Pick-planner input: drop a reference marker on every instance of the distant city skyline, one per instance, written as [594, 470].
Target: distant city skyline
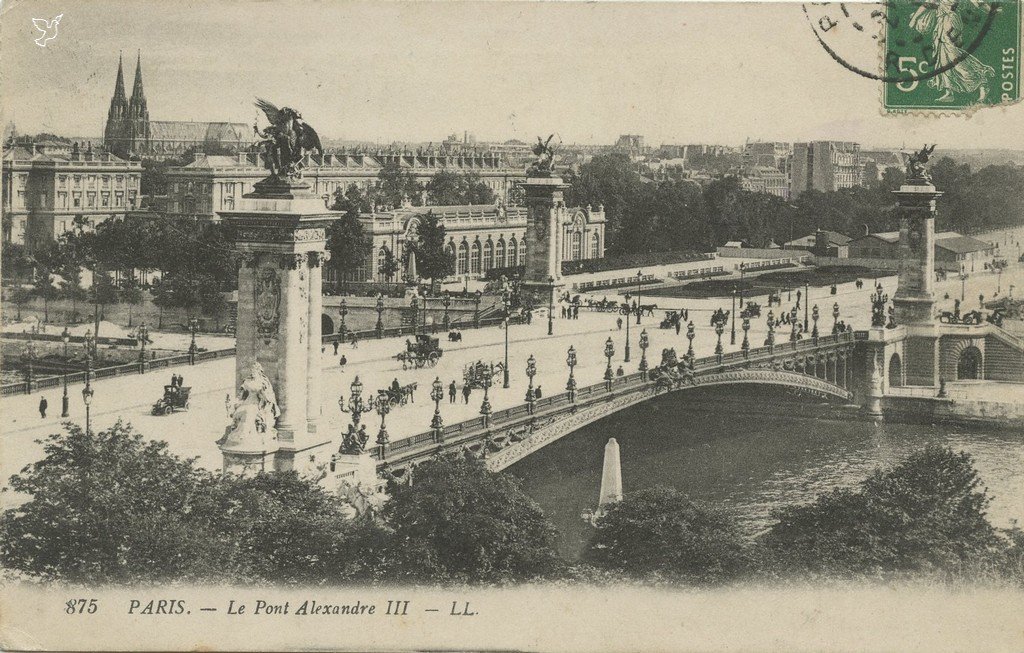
[416, 72]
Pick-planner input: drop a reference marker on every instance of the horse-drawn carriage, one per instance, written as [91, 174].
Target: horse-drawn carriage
[751, 310]
[398, 395]
[426, 350]
[475, 374]
[672, 318]
[175, 397]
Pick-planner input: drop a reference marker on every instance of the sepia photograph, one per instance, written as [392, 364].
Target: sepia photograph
[512, 325]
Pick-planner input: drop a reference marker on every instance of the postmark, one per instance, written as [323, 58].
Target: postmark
[929, 56]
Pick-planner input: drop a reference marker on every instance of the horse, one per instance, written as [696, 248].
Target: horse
[647, 309]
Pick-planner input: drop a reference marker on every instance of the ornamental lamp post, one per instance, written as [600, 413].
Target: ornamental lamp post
[506, 304]
[745, 345]
[380, 313]
[531, 371]
[64, 403]
[476, 312]
[30, 355]
[807, 301]
[770, 340]
[796, 325]
[691, 333]
[342, 312]
[446, 301]
[87, 391]
[193, 326]
[835, 318]
[644, 344]
[609, 351]
[626, 356]
[719, 330]
[143, 334]
[485, 406]
[383, 407]
[551, 305]
[732, 332]
[963, 284]
[743, 268]
[814, 318]
[437, 394]
[639, 279]
[570, 385]
[414, 304]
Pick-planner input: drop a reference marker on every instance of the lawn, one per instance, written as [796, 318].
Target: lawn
[817, 277]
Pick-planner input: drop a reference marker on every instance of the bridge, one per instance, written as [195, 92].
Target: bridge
[822, 367]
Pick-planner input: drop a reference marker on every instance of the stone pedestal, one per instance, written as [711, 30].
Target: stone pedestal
[914, 301]
[280, 229]
[544, 202]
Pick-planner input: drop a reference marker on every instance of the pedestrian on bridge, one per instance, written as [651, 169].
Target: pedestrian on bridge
[618, 322]
[678, 326]
[335, 347]
[466, 391]
[43, 404]
[342, 361]
[453, 391]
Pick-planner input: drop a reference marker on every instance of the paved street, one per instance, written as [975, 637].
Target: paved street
[193, 433]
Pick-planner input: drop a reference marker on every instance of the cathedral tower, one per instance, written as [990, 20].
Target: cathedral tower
[115, 133]
[138, 114]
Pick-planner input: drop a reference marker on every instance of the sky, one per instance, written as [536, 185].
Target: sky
[675, 72]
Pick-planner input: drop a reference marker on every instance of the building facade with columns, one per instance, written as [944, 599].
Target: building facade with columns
[47, 187]
[480, 237]
[216, 183]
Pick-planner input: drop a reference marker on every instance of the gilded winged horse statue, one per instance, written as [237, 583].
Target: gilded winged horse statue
[285, 140]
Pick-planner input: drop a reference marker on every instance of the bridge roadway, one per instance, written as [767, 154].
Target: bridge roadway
[193, 433]
[819, 366]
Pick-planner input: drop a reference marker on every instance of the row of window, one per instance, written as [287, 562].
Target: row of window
[90, 181]
[476, 259]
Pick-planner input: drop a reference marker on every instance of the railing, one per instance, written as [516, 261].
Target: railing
[466, 431]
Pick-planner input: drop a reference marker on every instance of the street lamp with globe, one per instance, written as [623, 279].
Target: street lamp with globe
[770, 340]
[625, 357]
[531, 371]
[691, 333]
[644, 344]
[383, 407]
[437, 394]
[507, 307]
[446, 301]
[814, 318]
[379, 328]
[64, 402]
[639, 280]
[485, 406]
[719, 330]
[570, 385]
[609, 351]
[193, 326]
[745, 345]
[835, 318]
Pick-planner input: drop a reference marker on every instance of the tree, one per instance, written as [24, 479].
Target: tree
[347, 243]
[460, 522]
[131, 294]
[103, 292]
[389, 266]
[451, 188]
[659, 533]
[109, 507]
[433, 259]
[395, 185]
[925, 514]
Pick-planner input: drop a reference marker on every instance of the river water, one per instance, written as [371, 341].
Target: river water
[756, 450]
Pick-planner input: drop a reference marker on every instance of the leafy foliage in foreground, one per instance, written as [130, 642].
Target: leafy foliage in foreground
[659, 533]
[112, 507]
[926, 514]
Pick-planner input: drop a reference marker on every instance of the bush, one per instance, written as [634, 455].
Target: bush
[459, 522]
[927, 514]
[660, 534]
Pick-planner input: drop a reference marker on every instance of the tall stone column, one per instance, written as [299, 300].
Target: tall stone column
[314, 359]
[280, 228]
[914, 300]
[544, 204]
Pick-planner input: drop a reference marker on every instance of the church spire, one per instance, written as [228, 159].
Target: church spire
[116, 127]
[138, 94]
[119, 95]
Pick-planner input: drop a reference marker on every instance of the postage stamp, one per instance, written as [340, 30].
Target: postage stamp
[951, 55]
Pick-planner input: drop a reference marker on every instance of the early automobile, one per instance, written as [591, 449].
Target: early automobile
[175, 397]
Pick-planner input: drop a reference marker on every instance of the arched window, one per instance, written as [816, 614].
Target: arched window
[522, 252]
[895, 371]
[450, 250]
[474, 258]
[461, 263]
[512, 256]
[576, 246]
[488, 255]
[499, 253]
[595, 245]
[382, 257]
[969, 365]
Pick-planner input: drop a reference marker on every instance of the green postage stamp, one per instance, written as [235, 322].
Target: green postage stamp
[951, 55]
